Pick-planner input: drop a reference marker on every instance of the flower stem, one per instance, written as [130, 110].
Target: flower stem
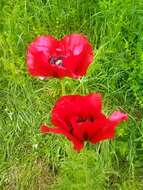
[63, 87]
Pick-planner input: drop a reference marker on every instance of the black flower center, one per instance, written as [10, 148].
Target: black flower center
[84, 119]
[56, 60]
[81, 120]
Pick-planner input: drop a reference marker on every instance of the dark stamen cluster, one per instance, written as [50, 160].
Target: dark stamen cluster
[56, 60]
[83, 119]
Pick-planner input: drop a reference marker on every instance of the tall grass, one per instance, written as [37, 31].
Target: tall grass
[31, 161]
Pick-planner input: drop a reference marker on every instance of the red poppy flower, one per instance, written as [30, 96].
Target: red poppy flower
[70, 56]
[79, 118]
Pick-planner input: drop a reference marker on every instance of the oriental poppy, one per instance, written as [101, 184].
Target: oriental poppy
[68, 57]
[80, 119]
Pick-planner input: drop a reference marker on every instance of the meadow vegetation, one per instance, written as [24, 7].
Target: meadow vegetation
[31, 161]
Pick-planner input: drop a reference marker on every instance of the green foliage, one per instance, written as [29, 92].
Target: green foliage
[29, 160]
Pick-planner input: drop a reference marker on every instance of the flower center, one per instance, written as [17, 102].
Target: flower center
[56, 60]
[84, 119]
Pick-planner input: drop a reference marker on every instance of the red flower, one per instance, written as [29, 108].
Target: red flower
[79, 118]
[48, 57]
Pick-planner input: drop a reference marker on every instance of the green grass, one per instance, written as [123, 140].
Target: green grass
[27, 159]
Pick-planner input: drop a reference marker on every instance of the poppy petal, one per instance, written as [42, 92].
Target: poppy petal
[71, 106]
[93, 104]
[57, 121]
[107, 131]
[116, 117]
[77, 45]
[103, 134]
[38, 54]
[77, 144]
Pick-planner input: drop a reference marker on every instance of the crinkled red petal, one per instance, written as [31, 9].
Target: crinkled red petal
[78, 145]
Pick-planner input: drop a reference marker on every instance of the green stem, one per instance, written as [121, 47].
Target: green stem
[82, 85]
[63, 87]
